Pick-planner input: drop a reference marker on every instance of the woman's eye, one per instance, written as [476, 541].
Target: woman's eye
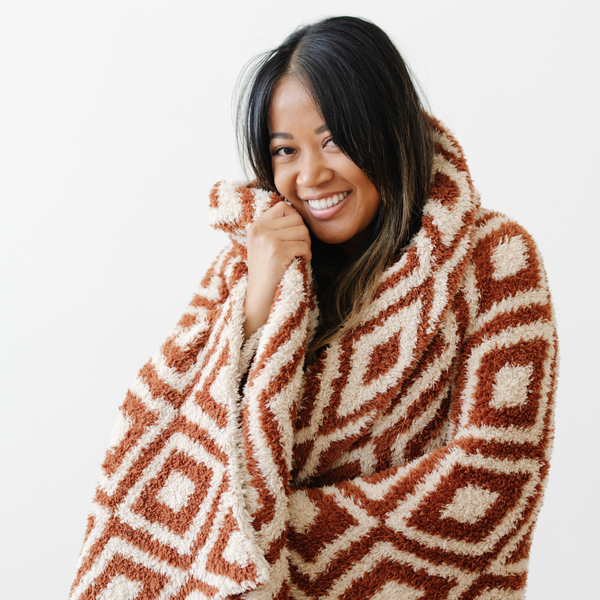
[282, 151]
[330, 142]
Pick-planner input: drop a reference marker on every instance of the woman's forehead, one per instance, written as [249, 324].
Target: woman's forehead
[292, 106]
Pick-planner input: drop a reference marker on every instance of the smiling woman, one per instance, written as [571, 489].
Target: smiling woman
[338, 203]
[358, 402]
[341, 99]
[314, 174]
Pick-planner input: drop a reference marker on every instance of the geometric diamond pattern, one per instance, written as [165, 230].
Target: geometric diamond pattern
[390, 580]
[330, 523]
[407, 462]
[470, 504]
[499, 491]
[509, 257]
[121, 588]
[125, 578]
[144, 507]
[392, 590]
[511, 385]
[177, 491]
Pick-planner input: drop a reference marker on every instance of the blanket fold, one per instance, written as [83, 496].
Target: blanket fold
[408, 462]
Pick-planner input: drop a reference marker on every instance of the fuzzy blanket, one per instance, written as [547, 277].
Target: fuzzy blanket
[407, 463]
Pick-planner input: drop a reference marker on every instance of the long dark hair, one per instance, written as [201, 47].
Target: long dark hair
[368, 99]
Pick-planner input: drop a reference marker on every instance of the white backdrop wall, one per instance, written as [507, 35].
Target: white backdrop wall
[116, 119]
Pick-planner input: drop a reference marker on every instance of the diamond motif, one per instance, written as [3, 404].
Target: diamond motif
[174, 497]
[511, 385]
[121, 588]
[511, 482]
[379, 565]
[176, 492]
[510, 380]
[509, 257]
[393, 591]
[507, 489]
[125, 579]
[470, 504]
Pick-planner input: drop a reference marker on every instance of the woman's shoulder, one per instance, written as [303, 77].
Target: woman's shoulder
[507, 245]
[506, 270]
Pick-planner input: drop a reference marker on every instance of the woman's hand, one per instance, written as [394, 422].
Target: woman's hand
[277, 237]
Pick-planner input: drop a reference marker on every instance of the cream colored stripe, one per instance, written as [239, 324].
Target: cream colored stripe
[355, 394]
[449, 220]
[278, 574]
[398, 519]
[281, 404]
[330, 372]
[427, 380]
[492, 225]
[162, 533]
[229, 208]
[444, 140]
[117, 546]
[386, 551]
[508, 305]
[165, 414]
[364, 455]
[101, 516]
[364, 523]
[440, 285]
[213, 348]
[505, 339]
[404, 286]
[404, 322]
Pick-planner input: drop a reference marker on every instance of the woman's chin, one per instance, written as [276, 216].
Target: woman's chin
[330, 238]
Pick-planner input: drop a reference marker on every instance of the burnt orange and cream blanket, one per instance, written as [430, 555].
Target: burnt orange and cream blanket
[408, 463]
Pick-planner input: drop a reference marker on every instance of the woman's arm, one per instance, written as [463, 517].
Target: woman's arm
[159, 461]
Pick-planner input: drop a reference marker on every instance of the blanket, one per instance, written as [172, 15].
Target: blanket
[409, 461]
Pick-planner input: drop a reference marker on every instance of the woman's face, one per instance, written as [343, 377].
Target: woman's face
[337, 201]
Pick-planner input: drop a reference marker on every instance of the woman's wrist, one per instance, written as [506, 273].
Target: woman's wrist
[259, 299]
[256, 316]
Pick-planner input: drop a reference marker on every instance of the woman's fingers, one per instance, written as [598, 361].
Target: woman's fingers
[277, 248]
[299, 233]
[285, 222]
[270, 228]
[260, 228]
[280, 212]
[298, 249]
[277, 237]
[281, 209]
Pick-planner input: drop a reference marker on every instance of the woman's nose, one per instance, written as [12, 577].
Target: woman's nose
[313, 171]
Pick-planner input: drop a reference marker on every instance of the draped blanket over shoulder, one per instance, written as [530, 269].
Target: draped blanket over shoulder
[408, 462]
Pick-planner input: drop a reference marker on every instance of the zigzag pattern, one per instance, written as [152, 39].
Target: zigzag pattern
[408, 462]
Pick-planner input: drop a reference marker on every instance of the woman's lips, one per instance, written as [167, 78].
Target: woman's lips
[326, 213]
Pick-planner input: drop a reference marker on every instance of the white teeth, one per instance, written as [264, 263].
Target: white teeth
[327, 202]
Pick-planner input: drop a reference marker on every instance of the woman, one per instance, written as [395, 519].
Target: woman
[358, 401]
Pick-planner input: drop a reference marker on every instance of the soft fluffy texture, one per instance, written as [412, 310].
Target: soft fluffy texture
[408, 462]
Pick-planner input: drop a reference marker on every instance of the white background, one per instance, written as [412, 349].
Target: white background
[116, 119]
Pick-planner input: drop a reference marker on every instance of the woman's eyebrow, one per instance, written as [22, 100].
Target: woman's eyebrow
[289, 136]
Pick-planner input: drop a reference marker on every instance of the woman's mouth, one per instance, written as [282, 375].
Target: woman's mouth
[327, 202]
[328, 206]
